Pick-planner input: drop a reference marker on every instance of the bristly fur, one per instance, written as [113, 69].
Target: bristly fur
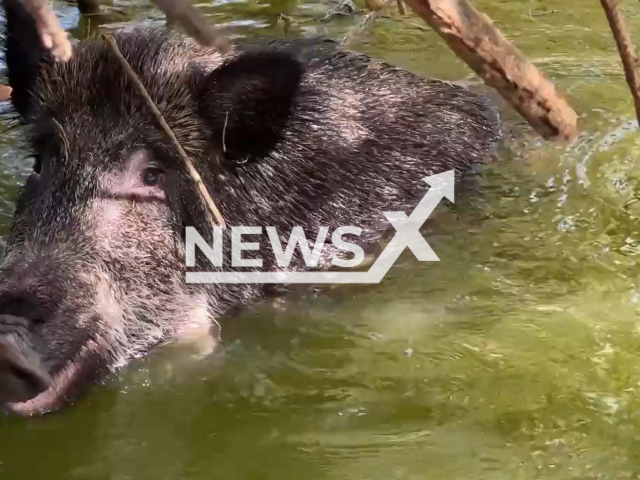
[284, 134]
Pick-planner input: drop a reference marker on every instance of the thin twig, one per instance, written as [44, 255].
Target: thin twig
[193, 173]
[51, 33]
[626, 50]
[194, 23]
[355, 31]
[376, 8]
[224, 132]
[346, 8]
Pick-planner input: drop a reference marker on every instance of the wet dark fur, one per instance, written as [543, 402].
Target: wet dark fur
[285, 134]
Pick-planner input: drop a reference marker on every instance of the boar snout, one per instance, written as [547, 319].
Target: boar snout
[21, 375]
[49, 332]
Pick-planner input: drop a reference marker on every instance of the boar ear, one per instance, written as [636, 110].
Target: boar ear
[247, 102]
[23, 53]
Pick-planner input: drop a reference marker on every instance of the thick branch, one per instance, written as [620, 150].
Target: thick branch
[5, 93]
[53, 36]
[474, 38]
[625, 47]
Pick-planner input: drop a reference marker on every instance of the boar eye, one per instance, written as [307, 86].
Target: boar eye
[153, 177]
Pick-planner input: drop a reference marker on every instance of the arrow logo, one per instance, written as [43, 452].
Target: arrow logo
[407, 235]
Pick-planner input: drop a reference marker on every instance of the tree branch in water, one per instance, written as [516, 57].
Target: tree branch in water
[51, 33]
[473, 37]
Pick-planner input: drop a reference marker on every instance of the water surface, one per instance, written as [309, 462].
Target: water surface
[515, 357]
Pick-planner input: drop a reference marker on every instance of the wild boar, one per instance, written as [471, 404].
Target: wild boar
[283, 133]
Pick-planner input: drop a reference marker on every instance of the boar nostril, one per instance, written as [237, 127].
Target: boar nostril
[31, 381]
[20, 379]
[24, 306]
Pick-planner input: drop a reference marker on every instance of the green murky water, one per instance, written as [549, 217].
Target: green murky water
[515, 357]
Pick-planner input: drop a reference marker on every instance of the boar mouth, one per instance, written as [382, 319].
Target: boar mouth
[62, 388]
